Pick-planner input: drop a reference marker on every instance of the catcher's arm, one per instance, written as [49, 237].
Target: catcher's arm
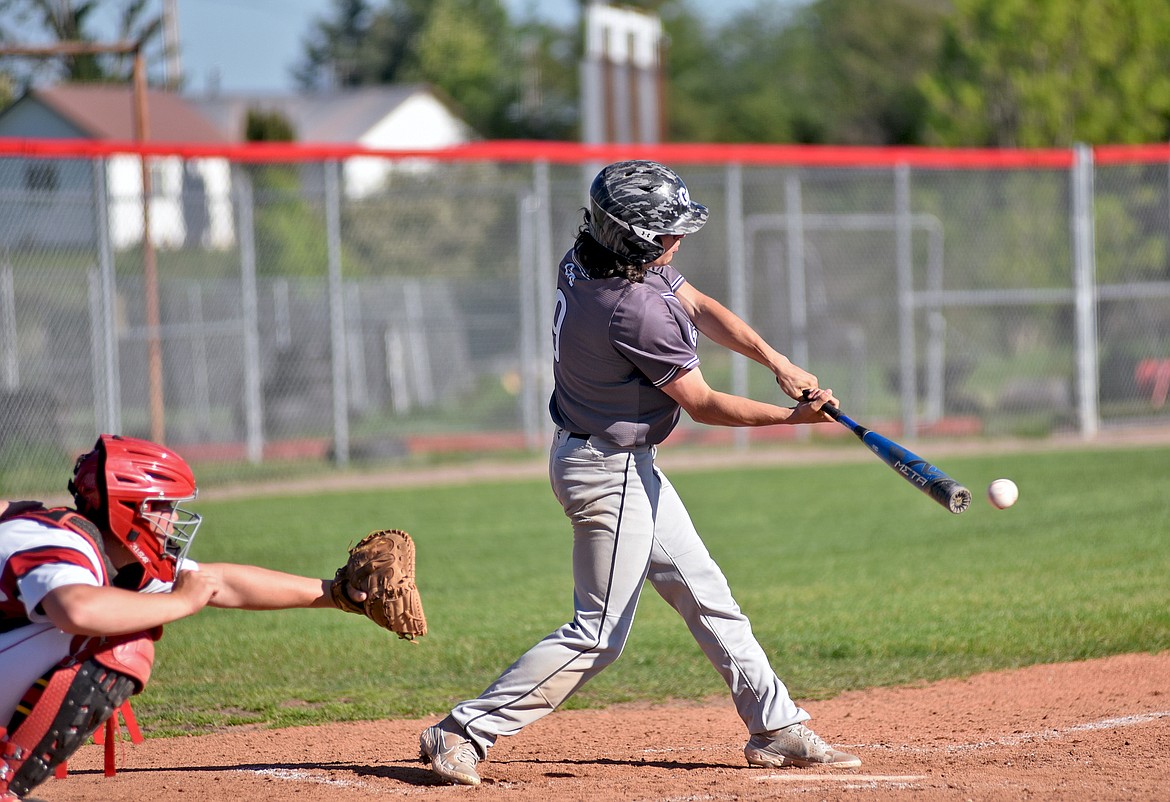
[377, 581]
[251, 587]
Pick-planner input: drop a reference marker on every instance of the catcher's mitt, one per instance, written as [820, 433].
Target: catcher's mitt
[382, 565]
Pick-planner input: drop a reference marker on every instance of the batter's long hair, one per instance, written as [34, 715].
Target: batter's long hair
[600, 261]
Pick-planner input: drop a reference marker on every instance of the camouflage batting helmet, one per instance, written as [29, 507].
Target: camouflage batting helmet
[633, 203]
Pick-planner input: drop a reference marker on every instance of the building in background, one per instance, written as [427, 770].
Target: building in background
[190, 199]
[621, 76]
[390, 117]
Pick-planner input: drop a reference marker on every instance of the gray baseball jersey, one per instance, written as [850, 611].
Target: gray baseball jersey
[615, 344]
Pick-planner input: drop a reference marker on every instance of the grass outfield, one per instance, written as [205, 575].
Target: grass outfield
[852, 579]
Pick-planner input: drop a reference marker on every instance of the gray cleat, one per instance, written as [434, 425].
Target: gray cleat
[451, 756]
[795, 745]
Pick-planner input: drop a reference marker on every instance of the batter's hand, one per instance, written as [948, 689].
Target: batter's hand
[794, 381]
[809, 408]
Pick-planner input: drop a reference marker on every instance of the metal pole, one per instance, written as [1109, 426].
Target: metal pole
[527, 207]
[111, 420]
[200, 376]
[545, 271]
[149, 264]
[937, 327]
[905, 269]
[737, 282]
[797, 294]
[336, 314]
[9, 364]
[1085, 290]
[253, 400]
[797, 284]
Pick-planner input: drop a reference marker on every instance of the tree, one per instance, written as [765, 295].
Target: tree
[831, 71]
[358, 46]
[1046, 73]
[466, 48]
[73, 21]
[462, 49]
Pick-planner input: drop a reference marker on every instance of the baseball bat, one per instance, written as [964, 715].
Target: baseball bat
[930, 479]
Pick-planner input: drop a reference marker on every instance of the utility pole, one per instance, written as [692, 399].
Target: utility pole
[141, 134]
[173, 80]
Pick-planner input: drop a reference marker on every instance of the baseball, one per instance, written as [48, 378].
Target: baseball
[1002, 493]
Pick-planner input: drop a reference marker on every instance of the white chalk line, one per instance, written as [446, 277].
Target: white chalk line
[302, 776]
[860, 779]
[1115, 723]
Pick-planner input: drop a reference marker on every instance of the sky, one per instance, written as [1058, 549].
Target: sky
[251, 45]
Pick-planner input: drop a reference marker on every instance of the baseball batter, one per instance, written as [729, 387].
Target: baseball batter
[84, 593]
[625, 330]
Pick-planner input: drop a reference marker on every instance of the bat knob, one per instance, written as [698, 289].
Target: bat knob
[959, 501]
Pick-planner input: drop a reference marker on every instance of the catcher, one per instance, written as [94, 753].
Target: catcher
[85, 592]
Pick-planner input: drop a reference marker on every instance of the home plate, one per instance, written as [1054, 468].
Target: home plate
[843, 778]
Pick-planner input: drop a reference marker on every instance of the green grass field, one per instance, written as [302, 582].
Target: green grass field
[851, 577]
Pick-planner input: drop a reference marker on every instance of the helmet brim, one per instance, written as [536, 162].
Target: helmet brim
[694, 219]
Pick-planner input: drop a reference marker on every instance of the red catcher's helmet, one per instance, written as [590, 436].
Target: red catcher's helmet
[131, 489]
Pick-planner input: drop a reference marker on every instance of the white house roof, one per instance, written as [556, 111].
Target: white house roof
[343, 116]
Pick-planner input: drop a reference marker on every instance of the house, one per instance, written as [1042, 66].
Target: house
[387, 117]
[190, 199]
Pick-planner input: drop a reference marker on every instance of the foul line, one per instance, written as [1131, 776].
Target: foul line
[302, 775]
[1043, 735]
[844, 778]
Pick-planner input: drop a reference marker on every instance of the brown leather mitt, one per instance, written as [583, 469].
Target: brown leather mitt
[382, 565]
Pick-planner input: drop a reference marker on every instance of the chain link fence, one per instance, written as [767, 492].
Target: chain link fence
[273, 318]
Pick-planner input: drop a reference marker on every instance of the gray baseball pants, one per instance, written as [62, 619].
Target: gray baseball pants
[629, 525]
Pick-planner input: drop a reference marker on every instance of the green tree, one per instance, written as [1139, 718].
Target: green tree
[466, 48]
[356, 45]
[462, 49]
[1047, 73]
[831, 71]
[73, 21]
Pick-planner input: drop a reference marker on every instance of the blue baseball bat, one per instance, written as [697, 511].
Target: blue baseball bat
[930, 479]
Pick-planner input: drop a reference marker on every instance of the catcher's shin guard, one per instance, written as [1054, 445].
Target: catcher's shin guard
[66, 707]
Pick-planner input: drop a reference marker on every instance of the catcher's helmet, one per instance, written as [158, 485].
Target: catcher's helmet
[130, 489]
[632, 203]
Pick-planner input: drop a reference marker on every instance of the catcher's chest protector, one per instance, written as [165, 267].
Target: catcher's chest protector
[62, 518]
[64, 708]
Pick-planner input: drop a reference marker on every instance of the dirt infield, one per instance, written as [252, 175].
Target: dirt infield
[1097, 730]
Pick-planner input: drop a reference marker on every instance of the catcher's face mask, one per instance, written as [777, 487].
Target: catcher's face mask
[175, 526]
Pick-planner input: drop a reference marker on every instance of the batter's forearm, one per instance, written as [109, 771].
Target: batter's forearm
[724, 327]
[725, 409]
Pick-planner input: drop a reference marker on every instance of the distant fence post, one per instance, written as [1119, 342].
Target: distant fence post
[546, 264]
[1085, 290]
[9, 364]
[108, 372]
[336, 314]
[905, 266]
[253, 402]
[737, 281]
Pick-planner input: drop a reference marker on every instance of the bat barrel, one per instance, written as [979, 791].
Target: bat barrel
[915, 470]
